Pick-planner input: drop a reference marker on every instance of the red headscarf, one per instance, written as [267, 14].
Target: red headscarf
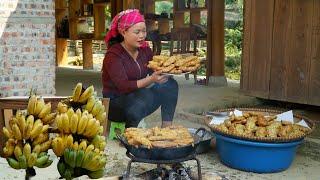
[123, 21]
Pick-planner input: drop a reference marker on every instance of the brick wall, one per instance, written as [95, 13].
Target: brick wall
[27, 47]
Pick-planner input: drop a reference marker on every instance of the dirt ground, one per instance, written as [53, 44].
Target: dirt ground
[193, 101]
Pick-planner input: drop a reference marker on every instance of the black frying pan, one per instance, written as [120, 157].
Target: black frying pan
[161, 153]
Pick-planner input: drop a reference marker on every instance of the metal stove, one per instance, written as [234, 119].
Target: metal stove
[183, 173]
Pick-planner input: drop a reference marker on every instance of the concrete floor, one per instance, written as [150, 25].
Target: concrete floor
[193, 101]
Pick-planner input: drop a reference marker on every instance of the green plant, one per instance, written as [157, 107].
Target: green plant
[163, 6]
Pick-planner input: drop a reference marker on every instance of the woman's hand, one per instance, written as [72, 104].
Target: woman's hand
[158, 78]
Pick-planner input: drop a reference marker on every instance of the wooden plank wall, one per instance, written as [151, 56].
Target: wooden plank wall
[281, 50]
[257, 49]
[314, 84]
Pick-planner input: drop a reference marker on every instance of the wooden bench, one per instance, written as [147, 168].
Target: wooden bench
[9, 105]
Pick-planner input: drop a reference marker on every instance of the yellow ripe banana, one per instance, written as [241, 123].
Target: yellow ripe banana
[27, 150]
[95, 129]
[16, 132]
[17, 152]
[70, 112]
[96, 108]
[89, 149]
[29, 126]
[83, 145]
[102, 162]
[59, 122]
[102, 117]
[79, 113]
[59, 147]
[102, 145]
[45, 129]
[93, 163]
[82, 124]
[100, 131]
[90, 116]
[37, 122]
[86, 94]
[49, 118]
[75, 146]
[62, 108]
[69, 141]
[36, 130]
[37, 149]
[90, 103]
[40, 139]
[45, 111]
[7, 152]
[45, 146]
[90, 126]
[54, 146]
[9, 148]
[32, 104]
[65, 122]
[22, 124]
[31, 160]
[7, 132]
[74, 123]
[77, 92]
[87, 158]
[39, 106]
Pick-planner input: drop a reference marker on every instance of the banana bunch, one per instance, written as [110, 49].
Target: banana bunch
[96, 108]
[90, 158]
[24, 128]
[75, 157]
[78, 123]
[39, 109]
[27, 142]
[82, 97]
[25, 157]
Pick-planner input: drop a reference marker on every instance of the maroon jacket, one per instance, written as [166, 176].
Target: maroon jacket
[120, 71]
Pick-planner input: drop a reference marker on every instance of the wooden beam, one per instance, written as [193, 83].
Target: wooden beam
[61, 51]
[87, 54]
[216, 37]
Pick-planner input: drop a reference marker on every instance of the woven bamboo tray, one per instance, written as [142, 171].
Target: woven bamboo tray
[267, 112]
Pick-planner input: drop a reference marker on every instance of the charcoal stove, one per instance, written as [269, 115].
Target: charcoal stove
[159, 162]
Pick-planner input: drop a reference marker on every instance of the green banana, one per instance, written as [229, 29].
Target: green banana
[72, 158]
[68, 174]
[79, 159]
[42, 154]
[23, 162]
[61, 167]
[13, 163]
[66, 155]
[96, 174]
[41, 161]
[47, 164]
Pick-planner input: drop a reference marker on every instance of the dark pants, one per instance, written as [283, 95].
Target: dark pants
[133, 107]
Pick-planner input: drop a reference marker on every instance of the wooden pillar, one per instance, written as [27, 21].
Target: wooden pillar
[215, 38]
[87, 54]
[131, 4]
[99, 21]
[61, 51]
[116, 7]
[2, 137]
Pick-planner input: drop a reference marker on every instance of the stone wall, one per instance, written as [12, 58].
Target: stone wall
[27, 47]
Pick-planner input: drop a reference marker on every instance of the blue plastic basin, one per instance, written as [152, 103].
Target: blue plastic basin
[255, 156]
